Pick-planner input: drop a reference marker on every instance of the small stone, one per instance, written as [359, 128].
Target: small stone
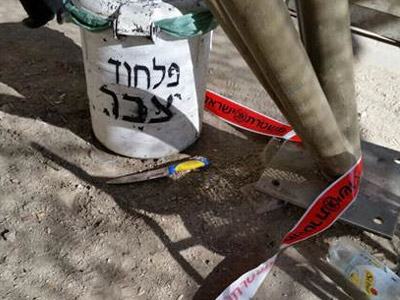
[140, 291]
[53, 165]
[4, 234]
[11, 236]
[40, 215]
[8, 235]
[15, 181]
[61, 97]
[180, 297]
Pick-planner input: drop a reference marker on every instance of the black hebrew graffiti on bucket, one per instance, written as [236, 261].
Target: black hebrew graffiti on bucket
[132, 96]
[146, 98]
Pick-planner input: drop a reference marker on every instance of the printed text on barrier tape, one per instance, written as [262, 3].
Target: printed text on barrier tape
[243, 117]
[322, 213]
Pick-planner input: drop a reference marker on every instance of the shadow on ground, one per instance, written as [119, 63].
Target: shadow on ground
[45, 67]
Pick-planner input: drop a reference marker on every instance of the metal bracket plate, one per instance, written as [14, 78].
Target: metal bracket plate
[292, 175]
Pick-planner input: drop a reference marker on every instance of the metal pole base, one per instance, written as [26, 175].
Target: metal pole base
[292, 175]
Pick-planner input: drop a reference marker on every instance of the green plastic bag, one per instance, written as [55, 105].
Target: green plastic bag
[188, 25]
[85, 19]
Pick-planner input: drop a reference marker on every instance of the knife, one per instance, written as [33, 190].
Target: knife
[169, 171]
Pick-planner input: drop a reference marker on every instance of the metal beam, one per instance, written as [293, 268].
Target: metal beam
[371, 17]
[265, 27]
[325, 31]
[391, 7]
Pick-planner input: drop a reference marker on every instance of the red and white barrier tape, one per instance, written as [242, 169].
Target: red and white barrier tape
[246, 118]
[322, 213]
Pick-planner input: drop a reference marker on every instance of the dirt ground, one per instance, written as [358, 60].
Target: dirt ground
[65, 234]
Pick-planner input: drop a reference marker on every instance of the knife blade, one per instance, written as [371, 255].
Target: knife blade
[174, 169]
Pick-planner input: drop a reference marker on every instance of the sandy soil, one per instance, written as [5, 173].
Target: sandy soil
[65, 234]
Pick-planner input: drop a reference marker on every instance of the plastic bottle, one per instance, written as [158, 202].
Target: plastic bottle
[370, 275]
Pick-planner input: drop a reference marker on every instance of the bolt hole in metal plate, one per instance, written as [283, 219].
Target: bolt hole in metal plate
[292, 175]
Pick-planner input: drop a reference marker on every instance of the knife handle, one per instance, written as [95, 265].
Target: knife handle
[189, 165]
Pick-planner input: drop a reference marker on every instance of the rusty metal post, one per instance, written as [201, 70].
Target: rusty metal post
[267, 31]
[325, 31]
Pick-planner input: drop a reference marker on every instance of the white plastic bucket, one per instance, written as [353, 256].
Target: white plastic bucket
[146, 96]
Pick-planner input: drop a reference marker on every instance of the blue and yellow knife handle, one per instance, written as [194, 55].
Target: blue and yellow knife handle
[189, 165]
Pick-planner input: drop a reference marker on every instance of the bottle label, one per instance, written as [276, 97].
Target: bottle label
[369, 283]
[373, 281]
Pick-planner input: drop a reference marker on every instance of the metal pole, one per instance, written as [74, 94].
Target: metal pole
[227, 25]
[265, 27]
[325, 31]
